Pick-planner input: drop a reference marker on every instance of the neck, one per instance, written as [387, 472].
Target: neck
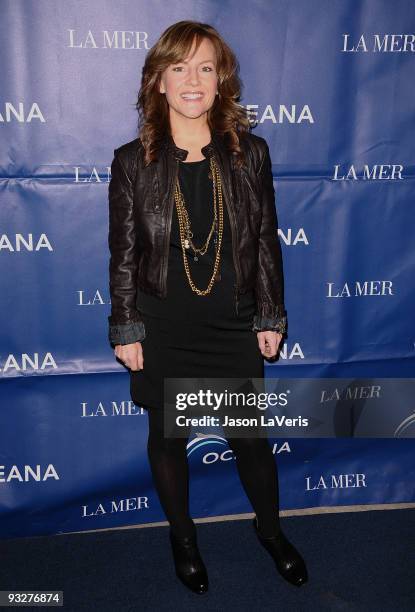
[190, 133]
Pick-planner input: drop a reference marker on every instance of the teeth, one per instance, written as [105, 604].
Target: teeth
[191, 96]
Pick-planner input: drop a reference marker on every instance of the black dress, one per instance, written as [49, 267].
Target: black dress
[188, 335]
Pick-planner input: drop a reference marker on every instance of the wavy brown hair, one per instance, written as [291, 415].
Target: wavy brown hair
[226, 116]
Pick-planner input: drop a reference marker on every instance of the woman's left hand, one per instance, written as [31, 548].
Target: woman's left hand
[268, 342]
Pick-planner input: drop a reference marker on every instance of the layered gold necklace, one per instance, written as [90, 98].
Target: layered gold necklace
[216, 229]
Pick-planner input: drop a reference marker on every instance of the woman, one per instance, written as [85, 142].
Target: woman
[196, 277]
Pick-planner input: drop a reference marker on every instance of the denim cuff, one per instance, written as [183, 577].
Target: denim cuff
[127, 333]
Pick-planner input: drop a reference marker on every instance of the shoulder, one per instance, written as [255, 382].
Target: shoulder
[128, 149]
[255, 146]
[127, 154]
[254, 141]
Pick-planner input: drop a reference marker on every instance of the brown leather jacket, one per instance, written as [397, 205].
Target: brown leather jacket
[141, 202]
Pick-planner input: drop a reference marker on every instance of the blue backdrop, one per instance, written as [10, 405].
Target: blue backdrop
[332, 87]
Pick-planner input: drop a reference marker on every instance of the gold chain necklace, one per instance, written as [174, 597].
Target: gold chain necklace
[186, 234]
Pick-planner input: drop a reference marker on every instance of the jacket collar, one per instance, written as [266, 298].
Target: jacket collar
[215, 145]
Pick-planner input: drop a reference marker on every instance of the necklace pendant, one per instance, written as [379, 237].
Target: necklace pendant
[195, 258]
[186, 244]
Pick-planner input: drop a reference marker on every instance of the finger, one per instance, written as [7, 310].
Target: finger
[270, 349]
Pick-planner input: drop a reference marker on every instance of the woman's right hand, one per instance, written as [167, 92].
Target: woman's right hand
[131, 355]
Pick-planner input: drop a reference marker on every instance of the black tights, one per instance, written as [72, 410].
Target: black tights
[256, 467]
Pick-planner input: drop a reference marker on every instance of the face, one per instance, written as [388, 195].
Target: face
[190, 86]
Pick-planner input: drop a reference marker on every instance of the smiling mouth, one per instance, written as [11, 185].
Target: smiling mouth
[192, 96]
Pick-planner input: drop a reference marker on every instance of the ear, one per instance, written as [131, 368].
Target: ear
[162, 89]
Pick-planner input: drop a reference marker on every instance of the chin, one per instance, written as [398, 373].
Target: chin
[194, 114]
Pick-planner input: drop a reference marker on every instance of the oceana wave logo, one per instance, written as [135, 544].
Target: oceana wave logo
[216, 448]
[406, 429]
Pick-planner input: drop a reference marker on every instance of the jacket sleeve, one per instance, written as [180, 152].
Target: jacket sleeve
[125, 324]
[269, 290]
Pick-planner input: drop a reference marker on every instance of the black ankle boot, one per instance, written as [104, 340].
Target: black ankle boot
[288, 560]
[188, 563]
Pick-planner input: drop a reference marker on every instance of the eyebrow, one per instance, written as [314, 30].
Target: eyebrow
[203, 62]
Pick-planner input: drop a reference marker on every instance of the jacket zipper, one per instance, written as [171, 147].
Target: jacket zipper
[169, 206]
[234, 230]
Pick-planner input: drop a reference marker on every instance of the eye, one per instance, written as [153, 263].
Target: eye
[177, 67]
[209, 68]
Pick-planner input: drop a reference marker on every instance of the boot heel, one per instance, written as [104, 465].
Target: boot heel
[189, 565]
[288, 560]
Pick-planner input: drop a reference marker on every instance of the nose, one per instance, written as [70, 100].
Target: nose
[193, 76]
